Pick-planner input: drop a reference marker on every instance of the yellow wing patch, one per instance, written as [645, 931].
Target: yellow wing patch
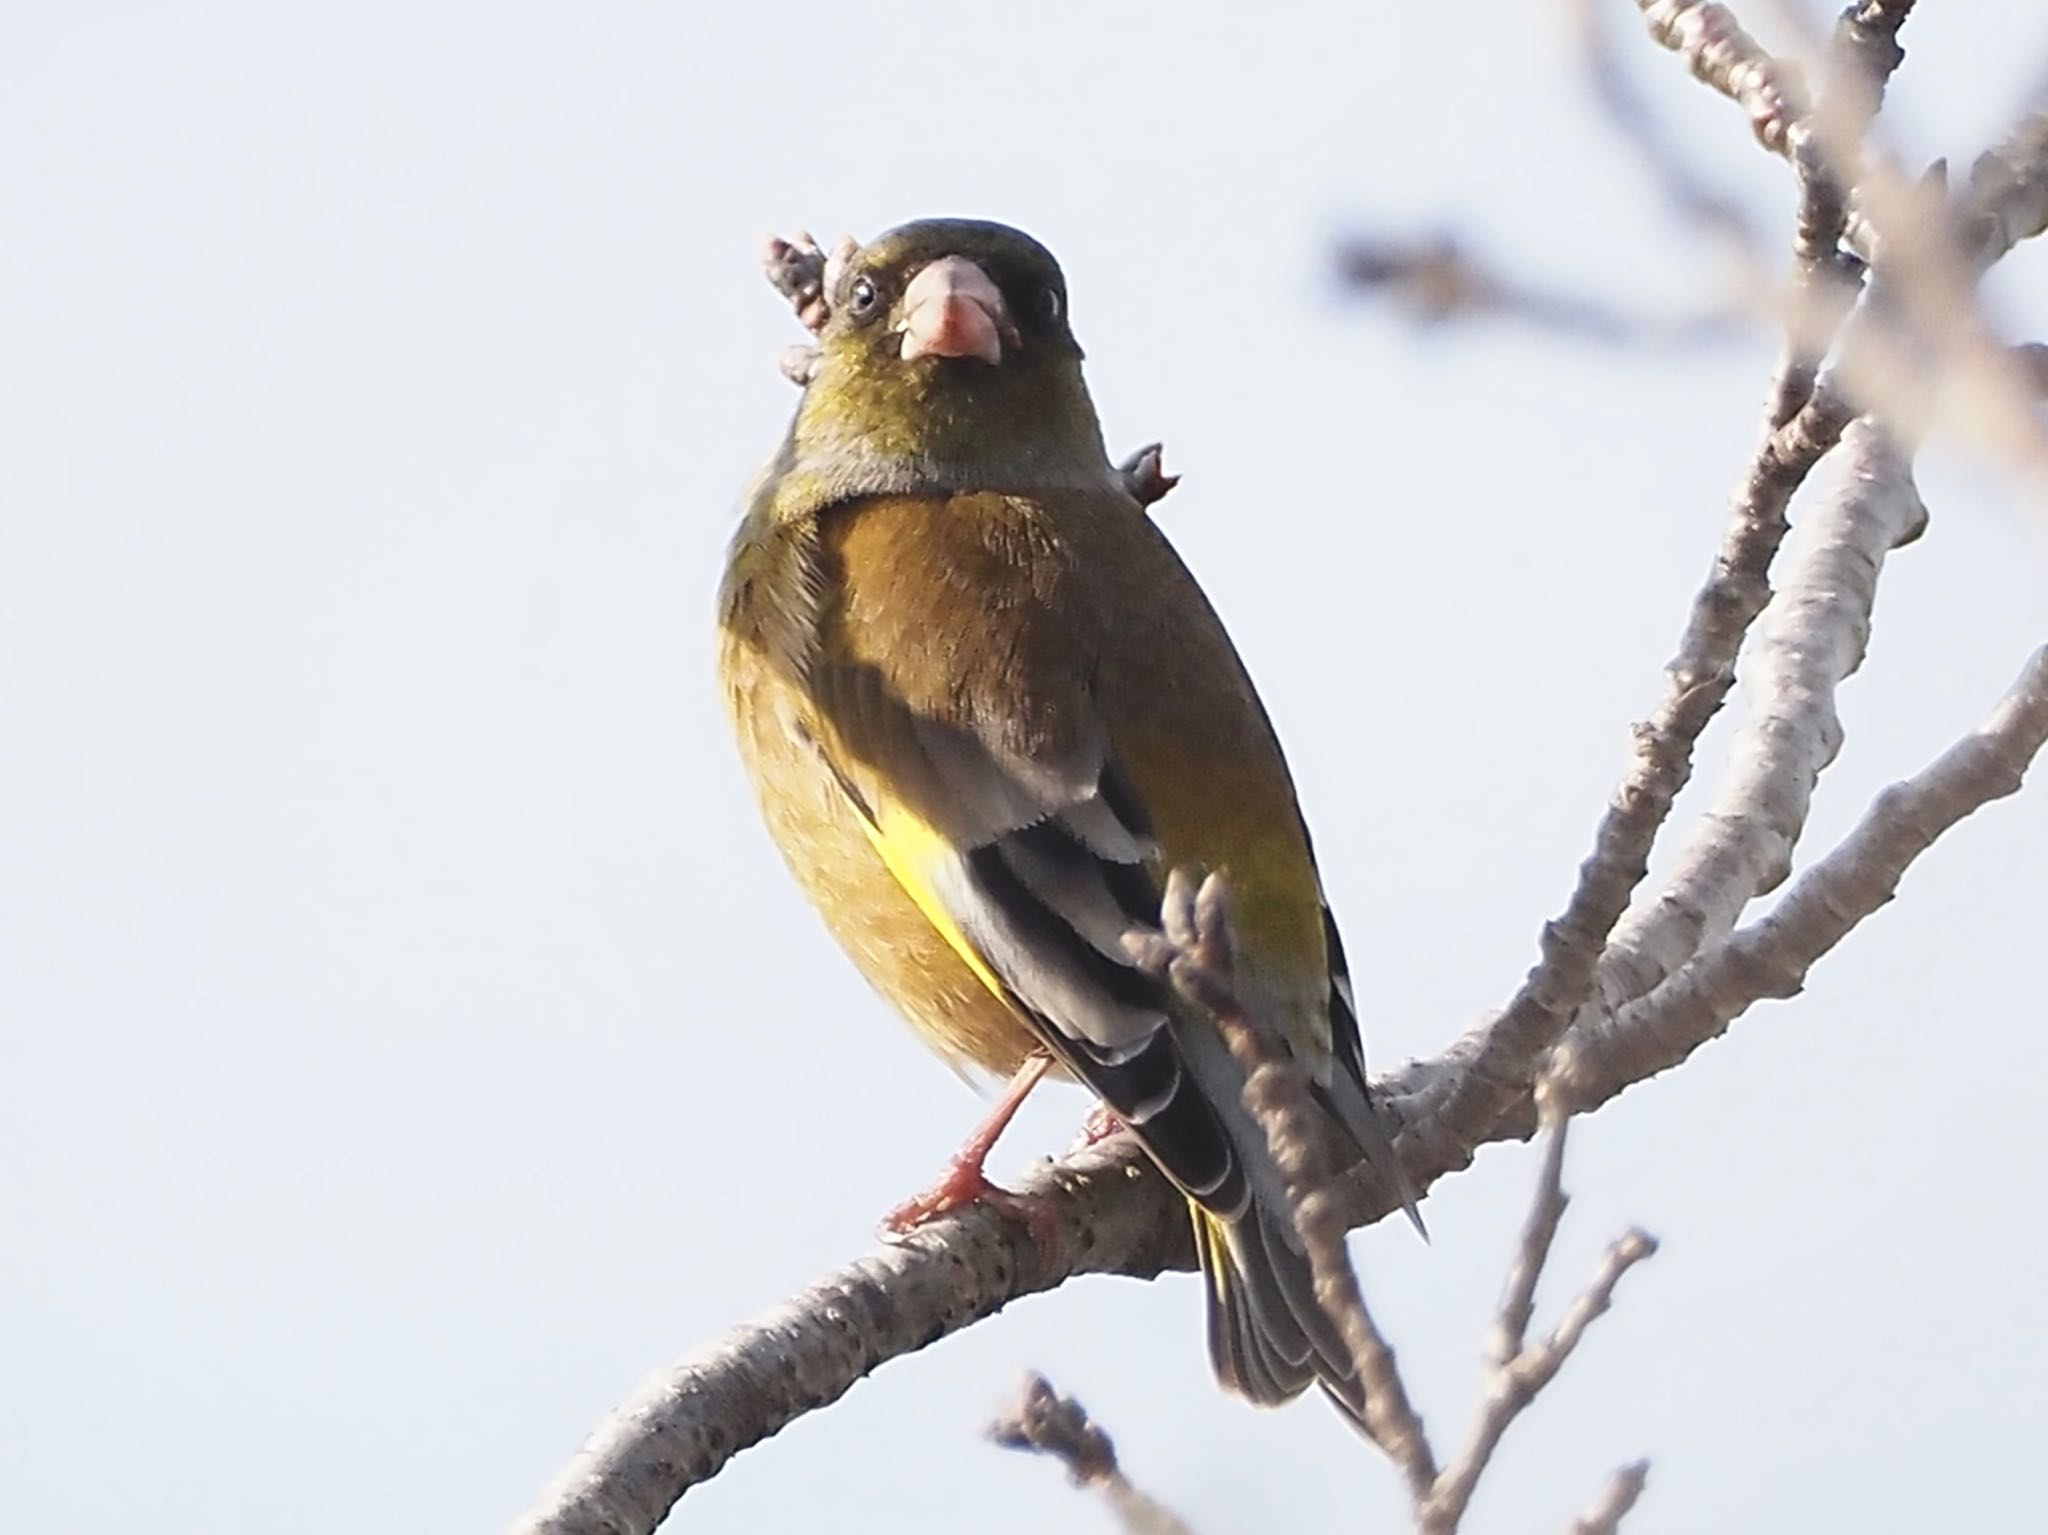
[908, 846]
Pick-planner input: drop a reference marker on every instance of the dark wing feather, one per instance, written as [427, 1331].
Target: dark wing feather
[1042, 871]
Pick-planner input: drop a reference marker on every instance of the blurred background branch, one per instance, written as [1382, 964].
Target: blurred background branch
[1437, 280]
[1042, 1422]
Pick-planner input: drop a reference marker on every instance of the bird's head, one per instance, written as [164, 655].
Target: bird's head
[948, 363]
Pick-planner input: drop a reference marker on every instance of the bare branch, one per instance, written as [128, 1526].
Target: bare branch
[1504, 1056]
[1771, 957]
[1518, 1370]
[1903, 227]
[1546, 1211]
[1605, 1516]
[2007, 200]
[1510, 1390]
[1932, 346]
[1539, 1366]
[1045, 1423]
[1104, 1211]
[1928, 356]
[1722, 56]
[1194, 949]
[1812, 636]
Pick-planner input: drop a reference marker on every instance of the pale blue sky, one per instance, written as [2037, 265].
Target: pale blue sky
[412, 1038]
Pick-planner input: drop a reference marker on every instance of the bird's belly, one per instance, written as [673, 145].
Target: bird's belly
[827, 847]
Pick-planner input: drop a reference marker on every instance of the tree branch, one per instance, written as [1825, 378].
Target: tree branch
[1812, 636]
[1105, 1212]
[1771, 957]
[1501, 1058]
[2007, 200]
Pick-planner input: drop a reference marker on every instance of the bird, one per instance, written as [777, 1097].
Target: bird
[988, 712]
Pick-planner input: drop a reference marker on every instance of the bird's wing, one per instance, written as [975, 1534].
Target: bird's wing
[1033, 877]
[953, 694]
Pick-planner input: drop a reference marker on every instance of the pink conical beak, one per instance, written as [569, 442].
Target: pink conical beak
[952, 308]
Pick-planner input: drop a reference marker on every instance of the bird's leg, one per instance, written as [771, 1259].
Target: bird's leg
[964, 1182]
[1102, 1122]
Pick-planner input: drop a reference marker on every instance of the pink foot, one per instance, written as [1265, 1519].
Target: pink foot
[1098, 1127]
[965, 1184]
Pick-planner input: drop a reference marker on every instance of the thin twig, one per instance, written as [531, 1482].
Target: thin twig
[1194, 949]
[1901, 225]
[1437, 280]
[1638, 129]
[1622, 1490]
[1827, 278]
[1510, 1390]
[1721, 55]
[1539, 1230]
[1043, 1422]
[1517, 1370]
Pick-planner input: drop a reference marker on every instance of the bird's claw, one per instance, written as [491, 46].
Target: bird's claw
[964, 1184]
[1102, 1122]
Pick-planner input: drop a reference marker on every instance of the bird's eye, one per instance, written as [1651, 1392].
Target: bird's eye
[1050, 304]
[864, 300]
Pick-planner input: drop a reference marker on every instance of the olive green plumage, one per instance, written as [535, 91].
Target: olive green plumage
[986, 708]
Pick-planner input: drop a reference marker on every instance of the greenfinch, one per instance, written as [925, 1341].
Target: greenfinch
[987, 709]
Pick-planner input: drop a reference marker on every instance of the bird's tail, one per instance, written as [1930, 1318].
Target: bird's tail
[1269, 1337]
